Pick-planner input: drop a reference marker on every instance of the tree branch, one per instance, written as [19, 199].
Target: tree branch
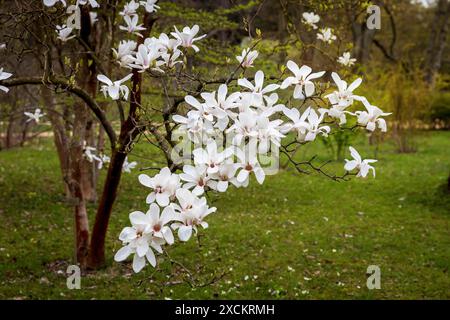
[90, 102]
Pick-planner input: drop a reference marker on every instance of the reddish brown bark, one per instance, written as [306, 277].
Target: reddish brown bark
[75, 163]
[128, 133]
[60, 137]
[89, 80]
[80, 182]
[97, 248]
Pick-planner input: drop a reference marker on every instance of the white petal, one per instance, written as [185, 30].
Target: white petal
[104, 79]
[151, 197]
[162, 199]
[355, 84]
[350, 165]
[142, 249]
[184, 233]
[122, 254]
[138, 218]
[309, 89]
[259, 174]
[151, 257]
[222, 186]
[242, 176]
[168, 235]
[138, 263]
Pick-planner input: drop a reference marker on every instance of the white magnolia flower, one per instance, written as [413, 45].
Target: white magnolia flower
[210, 157]
[186, 201]
[168, 44]
[164, 185]
[192, 213]
[310, 18]
[304, 87]
[371, 118]
[268, 132]
[257, 89]
[245, 126]
[226, 175]
[270, 103]
[248, 163]
[132, 25]
[114, 89]
[150, 5]
[312, 127]
[170, 59]
[296, 117]
[147, 58]
[346, 59]
[3, 76]
[344, 96]
[129, 9]
[89, 153]
[51, 3]
[187, 37]
[306, 125]
[337, 112]
[124, 54]
[326, 35]
[154, 43]
[202, 109]
[64, 33]
[247, 58]
[92, 3]
[128, 166]
[196, 179]
[219, 105]
[93, 16]
[362, 166]
[194, 125]
[36, 116]
[155, 223]
[102, 160]
[140, 241]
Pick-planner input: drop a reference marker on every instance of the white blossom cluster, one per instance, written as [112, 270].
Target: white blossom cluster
[326, 35]
[230, 131]
[34, 116]
[3, 76]
[90, 154]
[154, 54]
[64, 31]
[255, 122]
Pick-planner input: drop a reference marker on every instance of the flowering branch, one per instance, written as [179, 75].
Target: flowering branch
[69, 87]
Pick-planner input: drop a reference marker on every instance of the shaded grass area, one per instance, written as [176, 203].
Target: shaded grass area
[295, 237]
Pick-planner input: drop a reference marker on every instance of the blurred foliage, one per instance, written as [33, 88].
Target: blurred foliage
[440, 110]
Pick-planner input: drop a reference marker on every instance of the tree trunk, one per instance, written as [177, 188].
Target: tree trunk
[97, 248]
[363, 38]
[437, 41]
[128, 133]
[89, 81]
[59, 137]
[9, 138]
[75, 163]
[88, 175]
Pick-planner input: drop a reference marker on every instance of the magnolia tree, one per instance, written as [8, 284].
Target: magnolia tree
[212, 140]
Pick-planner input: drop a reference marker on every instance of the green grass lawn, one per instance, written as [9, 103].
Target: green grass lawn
[295, 237]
